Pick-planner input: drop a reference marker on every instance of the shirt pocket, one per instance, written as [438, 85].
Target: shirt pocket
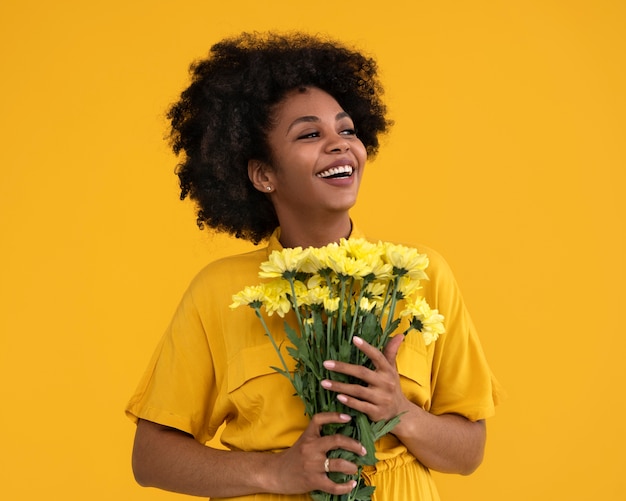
[253, 362]
[414, 369]
[255, 388]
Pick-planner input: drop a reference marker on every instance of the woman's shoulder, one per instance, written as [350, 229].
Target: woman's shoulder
[230, 272]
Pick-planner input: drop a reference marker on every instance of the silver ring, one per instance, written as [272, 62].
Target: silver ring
[327, 465]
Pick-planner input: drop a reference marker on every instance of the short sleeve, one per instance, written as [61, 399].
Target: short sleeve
[461, 380]
[178, 388]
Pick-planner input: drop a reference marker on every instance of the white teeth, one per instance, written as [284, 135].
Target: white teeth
[333, 171]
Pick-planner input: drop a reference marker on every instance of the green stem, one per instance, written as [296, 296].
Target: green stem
[357, 311]
[273, 341]
[340, 313]
[294, 303]
[392, 308]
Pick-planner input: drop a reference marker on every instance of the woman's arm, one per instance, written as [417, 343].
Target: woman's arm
[172, 460]
[448, 443]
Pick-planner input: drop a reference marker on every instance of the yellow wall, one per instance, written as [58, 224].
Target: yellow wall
[507, 156]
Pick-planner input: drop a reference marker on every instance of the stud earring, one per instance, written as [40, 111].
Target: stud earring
[268, 188]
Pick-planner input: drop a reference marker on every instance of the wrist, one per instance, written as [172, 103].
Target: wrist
[410, 418]
[267, 479]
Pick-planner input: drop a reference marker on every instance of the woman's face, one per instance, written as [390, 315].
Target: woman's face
[317, 159]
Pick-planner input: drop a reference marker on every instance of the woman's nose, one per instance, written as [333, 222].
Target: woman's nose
[338, 145]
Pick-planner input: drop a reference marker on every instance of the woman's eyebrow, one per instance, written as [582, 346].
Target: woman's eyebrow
[308, 118]
[313, 118]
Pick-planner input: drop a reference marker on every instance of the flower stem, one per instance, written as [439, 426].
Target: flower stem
[273, 341]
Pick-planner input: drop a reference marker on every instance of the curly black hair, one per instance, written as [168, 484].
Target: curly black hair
[221, 119]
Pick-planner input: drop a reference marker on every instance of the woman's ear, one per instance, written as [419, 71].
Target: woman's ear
[260, 176]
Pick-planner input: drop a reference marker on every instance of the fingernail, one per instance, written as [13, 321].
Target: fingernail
[342, 398]
[363, 451]
[344, 417]
[353, 484]
[357, 340]
[329, 364]
[326, 383]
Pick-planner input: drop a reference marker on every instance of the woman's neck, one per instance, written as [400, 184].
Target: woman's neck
[314, 233]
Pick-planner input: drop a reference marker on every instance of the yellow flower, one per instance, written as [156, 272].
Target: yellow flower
[408, 286]
[330, 254]
[376, 289]
[331, 304]
[282, 263]
[250, 294]
[367, 305]
[428, 321]
[275, 298]
[314, 296]
[315, 281]
[315, 259]
[382, 270]
[337, 258]
[408, 260]
[359, 248]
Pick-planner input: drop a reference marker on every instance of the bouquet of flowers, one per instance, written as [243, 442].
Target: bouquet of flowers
[353, 288]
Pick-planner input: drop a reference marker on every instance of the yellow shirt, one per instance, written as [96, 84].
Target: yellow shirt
[213, 367]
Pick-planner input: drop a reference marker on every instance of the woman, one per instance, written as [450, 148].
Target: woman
[275, 133]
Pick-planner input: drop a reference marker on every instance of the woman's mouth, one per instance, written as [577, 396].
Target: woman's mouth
[341, 171]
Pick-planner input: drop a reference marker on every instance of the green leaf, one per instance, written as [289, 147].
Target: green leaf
[367, 439]
[293, 352]
[370, 328]
[319, 496]
[293, 336]
[364, 493]
[381, 428]
[318, 328]
[345, 350]
[339, 478]
[282, 371]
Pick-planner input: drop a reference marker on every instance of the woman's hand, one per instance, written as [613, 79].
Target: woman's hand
[302, 467]
[448, 443]
[170, 459]
[382, 397]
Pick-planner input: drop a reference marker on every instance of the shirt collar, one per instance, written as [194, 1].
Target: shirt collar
[274, 242]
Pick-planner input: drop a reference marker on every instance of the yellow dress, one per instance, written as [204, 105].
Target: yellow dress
[213, 367]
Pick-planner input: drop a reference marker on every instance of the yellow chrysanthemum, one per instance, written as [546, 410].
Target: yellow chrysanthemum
[315, 259]
[359, 248]
[407, 259]
[329, 255]
[428, 321]
[283, 262]
[339, 259]
[331, 304]
[376, 288]
[315, 281]
[367, 304]
[275, 298]
[408, 286]
[250, 294]
[382, 270]
[314, 296]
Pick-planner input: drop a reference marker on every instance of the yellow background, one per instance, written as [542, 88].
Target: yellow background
[507, 156]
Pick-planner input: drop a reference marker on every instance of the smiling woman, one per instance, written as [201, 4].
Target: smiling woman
[274, 134]
[223, 118]
[315, 169]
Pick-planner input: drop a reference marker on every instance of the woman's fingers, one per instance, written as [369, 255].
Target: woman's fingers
[305, 465]
[336, 441]
[381, 396]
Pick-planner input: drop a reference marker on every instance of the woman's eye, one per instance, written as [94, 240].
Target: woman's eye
[309, 135]
[349, 132]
